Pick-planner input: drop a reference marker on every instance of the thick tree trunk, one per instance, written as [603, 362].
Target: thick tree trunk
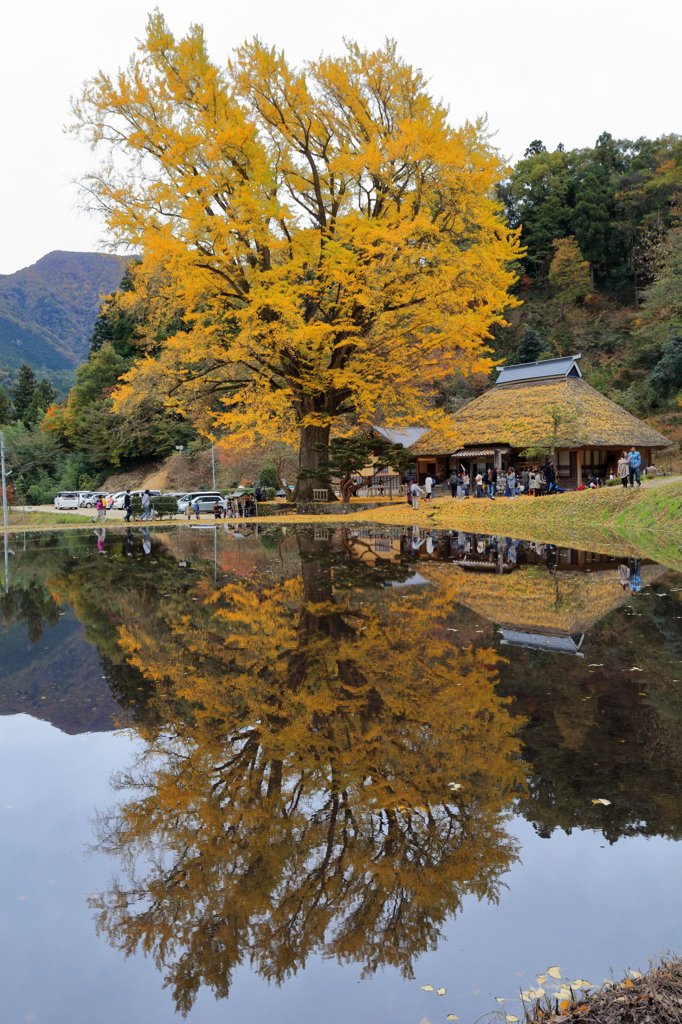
[309, 460]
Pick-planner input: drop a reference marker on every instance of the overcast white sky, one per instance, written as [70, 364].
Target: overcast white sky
[541, 69]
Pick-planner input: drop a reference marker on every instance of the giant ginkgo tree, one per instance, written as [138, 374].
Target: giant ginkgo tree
[333, 243]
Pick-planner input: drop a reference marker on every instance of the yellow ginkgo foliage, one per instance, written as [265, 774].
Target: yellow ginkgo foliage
[293, 797]
[333, 245]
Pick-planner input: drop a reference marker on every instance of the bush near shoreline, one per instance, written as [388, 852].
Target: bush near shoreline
[651, 998]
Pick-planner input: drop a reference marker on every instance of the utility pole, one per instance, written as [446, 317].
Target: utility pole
[213, 463]
[5, 515]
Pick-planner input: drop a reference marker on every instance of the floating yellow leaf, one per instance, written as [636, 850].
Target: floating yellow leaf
[554, 972]
[441, 991]
[499, 999]
[628, 984]
[427, 988]
[600, 800]
[451, 1016]
[564, 1005]
[635, 974]
[541, 978]
[511, 1018]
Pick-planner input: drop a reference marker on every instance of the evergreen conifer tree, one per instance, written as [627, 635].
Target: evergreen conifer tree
[5, 407]
[22, 393]
[47, 393]
[530, 346]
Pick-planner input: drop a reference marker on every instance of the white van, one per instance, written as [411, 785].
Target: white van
[67, 499]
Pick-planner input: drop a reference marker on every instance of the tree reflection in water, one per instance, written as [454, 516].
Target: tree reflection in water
[296, 800]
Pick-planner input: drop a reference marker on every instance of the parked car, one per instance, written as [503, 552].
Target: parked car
[207, 500]
[83, 496]
[66, 499]
[118, 499]
[90, 499]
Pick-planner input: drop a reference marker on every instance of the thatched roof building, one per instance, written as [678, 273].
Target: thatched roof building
[515, 415]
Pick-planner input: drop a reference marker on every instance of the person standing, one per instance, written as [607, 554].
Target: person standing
[127, 505]
[146, 506]
[479, 485]
[195, 506]
[550, 476]
[491, 484]
[454, 483]
[623, 468]
[465, 482]
[525, 480]
[532, 483]
[634, 464]
[428, 486]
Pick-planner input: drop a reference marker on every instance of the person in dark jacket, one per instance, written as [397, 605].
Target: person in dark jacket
[127, 505]
[550, 477]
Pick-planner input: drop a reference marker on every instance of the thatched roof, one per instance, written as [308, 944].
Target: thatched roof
[515, 414]
[532, 601]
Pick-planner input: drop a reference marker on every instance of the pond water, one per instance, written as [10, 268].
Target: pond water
[261, 774]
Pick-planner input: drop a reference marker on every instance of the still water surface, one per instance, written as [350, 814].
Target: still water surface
[308, 772]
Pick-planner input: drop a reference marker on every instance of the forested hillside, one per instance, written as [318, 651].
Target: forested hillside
[47, 310]
[602, 271]
[613, 289]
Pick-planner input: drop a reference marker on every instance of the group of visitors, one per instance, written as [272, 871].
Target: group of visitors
[490, 483]
[225, 508]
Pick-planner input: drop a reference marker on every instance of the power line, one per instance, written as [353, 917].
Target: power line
[85, 455]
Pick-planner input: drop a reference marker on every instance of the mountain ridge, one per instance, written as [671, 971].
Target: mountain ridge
[48, 310]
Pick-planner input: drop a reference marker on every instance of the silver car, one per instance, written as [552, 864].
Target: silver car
[207, 500]
[90, 499]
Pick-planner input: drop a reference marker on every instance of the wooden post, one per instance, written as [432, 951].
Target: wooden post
[578, 467]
